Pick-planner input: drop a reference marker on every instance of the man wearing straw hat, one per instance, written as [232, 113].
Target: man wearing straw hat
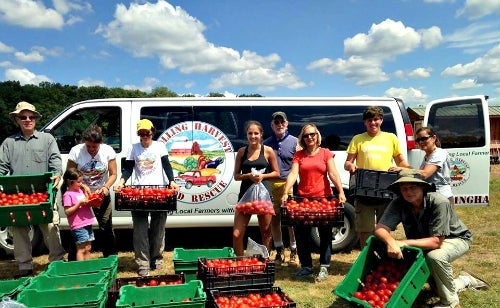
[31, 152]
[429, 223]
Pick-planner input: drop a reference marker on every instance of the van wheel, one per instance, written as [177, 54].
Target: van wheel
[344, 237]
[7, 242]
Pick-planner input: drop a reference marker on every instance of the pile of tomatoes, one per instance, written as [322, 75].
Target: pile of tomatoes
[145, 193]
[95, 200]
[259, 207]
[313, 211]
[228, 266]
[23, 198]
[153, 282]
[381, 282]
[253, 300]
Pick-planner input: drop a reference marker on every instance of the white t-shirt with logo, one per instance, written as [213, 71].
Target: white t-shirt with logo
[148, 169]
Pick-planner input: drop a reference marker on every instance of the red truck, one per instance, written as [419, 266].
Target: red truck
[190, 178]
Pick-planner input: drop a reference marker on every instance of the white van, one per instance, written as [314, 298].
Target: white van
[212, 130]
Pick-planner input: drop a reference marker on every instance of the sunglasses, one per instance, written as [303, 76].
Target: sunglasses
[144, 134]
[31, 118]
[422, 139]
[310, 135]
[278, 122]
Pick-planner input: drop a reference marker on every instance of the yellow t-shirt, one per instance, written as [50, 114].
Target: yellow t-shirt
[374, 153]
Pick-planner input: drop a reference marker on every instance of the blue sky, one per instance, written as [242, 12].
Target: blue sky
[417, 50]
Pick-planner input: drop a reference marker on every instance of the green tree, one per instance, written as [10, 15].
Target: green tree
[162, 92]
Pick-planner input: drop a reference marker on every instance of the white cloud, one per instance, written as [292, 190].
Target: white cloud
[5, 64]
[420, 72]
[410, 96]
[149, 83]
[176, 38]
[476, 36]
[466, 84]
[367, 52]
[6, 49]
[24, 76]
[33, 56]
[475, 9]
[89, 82]
[34, 14]
[484, 70]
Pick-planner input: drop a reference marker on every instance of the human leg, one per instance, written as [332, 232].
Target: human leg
[265, 230]
[439, 262]
[157, 239]
[239, 228]
[105, 235]
[293, 245]
[303, 235]
[22, 247]
[141, 240]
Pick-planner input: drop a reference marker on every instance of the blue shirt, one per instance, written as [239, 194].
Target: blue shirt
[284, 149]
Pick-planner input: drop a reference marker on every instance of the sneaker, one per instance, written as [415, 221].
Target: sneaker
[143, 272]
[280, 257]
[293, 255]
[476, 283]
[322, 275]
[304, 273]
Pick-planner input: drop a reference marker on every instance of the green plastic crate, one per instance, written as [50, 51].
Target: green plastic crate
[63, 268]
[10, 288]
[409, 286]
[94, 296]
[44, 283]
[186, 295]
[27, 214]
[186, 260]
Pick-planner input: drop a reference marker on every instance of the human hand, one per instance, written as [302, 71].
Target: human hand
[394, 250]
[342, 198]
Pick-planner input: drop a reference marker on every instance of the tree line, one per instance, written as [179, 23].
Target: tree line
[51, 98]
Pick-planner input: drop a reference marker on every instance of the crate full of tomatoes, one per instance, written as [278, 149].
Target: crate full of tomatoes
[26, 200]
[268, 297]
[146, 198]
[312, 212]
[375, 280]
[141, 282]
[236, 272]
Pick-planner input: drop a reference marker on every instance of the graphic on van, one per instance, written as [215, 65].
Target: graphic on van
[202, 158]
[459, 171]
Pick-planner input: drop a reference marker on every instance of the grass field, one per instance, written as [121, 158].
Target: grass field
[481, 259]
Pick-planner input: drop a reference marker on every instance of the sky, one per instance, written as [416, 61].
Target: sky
[417, 50]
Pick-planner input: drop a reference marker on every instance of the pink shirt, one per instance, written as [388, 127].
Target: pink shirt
[84, 216]
[313, 173]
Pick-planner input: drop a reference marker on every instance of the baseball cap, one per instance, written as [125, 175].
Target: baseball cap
[279, 114]
[144, 124]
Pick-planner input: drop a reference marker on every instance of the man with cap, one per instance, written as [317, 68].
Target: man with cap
[32, 152]
[284, 146]
[429, 223]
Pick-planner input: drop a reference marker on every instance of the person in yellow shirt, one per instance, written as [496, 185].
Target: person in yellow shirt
[373, 150]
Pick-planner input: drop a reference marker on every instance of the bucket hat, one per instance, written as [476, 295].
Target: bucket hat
[411, 176]
[23, 106]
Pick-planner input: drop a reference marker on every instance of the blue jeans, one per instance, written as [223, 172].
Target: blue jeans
[303, 237]
[149, 238]
[439, 262]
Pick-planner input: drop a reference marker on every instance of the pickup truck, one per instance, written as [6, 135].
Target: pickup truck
[190, 178]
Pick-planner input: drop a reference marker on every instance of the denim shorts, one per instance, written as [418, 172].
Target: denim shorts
[83, 235]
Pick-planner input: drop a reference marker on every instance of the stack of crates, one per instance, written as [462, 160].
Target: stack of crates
[374, 253]
[10, 288]
[369, 185]
[71, 284]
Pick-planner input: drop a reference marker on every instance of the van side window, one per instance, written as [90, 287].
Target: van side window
[165, 117]
[68, 133]
[448, 123]
[337, 124]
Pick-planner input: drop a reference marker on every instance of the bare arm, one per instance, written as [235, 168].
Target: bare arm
[271, 158]
[428, 170]
[290, 180]
[335, 178]
[349, 163]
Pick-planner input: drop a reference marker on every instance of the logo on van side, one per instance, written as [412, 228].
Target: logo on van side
[459, 171]
[202, 158]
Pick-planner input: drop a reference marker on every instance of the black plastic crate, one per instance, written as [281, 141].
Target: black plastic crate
[293, 213]
[236, 273]
[145, 198]
[372, 184]
[213, 295]
[160, 280]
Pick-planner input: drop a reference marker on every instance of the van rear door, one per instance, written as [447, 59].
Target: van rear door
[463, 127]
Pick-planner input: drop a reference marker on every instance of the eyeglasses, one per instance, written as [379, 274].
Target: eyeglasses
[310, 135]
[31, 118]
[423, 139]
[278, 122]
[144, 134]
